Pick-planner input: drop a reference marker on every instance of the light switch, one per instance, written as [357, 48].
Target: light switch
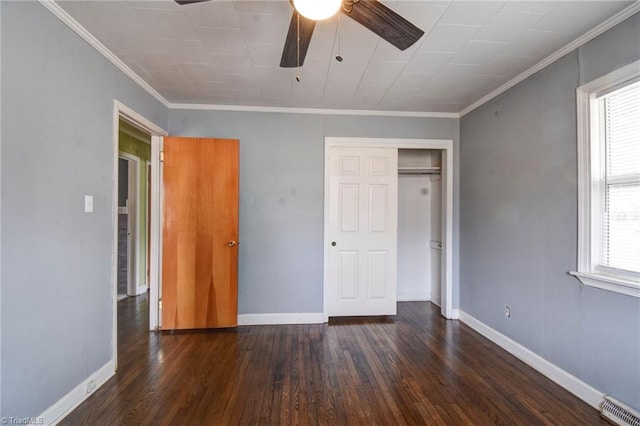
[88, 203]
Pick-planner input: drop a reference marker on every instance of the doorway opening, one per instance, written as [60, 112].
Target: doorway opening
[136, 147]
[125, 231]
[437, 238]
[134, 155]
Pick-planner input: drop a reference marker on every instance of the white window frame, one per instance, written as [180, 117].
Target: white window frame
[587, 110]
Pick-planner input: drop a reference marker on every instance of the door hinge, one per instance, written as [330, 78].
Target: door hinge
[162, 156]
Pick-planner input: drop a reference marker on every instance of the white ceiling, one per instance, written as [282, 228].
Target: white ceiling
[227, 52]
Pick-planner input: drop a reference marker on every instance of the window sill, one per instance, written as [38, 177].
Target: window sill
[607, 282]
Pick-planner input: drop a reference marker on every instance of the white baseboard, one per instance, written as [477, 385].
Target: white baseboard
[275, 319]
[568, 381]
[417, 296]
[70, 401]
[435, 301]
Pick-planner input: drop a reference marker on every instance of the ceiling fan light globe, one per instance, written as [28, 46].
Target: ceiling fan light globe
[317, 9]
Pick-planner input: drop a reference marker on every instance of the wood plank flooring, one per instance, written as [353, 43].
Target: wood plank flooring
[415, 368]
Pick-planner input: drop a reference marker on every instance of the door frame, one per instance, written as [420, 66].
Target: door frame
[147, 200]
[444, 145]
[121, 111]
[133, 225]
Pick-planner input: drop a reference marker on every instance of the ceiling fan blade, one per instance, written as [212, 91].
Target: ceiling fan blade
[385, 22]
[183, 2]
[290, 52]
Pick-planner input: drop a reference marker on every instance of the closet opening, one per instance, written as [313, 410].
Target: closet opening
[419, 225]
[423, 215]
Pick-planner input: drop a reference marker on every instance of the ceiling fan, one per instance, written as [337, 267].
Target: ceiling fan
[371, 14]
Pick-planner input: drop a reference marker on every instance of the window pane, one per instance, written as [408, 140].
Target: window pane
[621, 236]
[623, 131]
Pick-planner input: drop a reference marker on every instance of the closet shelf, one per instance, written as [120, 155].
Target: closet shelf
[422, 170]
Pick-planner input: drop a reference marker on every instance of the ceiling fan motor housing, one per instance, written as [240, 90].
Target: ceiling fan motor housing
[371, 14]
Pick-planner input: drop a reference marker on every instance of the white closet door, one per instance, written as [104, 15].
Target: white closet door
[363, 222]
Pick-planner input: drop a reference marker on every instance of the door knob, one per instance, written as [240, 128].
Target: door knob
[232, 244]
[333, 243]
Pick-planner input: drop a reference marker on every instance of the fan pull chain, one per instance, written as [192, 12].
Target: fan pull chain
[298, 50]
[338, 57]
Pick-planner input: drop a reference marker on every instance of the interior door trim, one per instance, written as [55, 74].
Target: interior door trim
[446, 146]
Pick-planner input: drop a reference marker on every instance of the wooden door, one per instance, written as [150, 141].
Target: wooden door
[363, 228]
[200, 233]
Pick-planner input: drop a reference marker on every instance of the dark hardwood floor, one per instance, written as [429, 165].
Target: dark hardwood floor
[416, 368]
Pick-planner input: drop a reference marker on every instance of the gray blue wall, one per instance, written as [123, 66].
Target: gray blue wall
[282, 194]
[518, 223]
[57, 146]
[518, 197]
[57, 106]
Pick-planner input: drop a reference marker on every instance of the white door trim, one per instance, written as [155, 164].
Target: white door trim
[122, 111]
[147, 201]
[446, 145]
[155, 257]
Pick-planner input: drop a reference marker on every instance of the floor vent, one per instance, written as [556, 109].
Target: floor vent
[619, 413]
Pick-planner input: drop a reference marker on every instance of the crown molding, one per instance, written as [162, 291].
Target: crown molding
[583, 39]
[61, 14]
[67, 19]
[317, 111]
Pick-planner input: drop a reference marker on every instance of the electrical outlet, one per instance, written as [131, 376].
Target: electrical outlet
[507, 311]
[91, 386]
[88, 203]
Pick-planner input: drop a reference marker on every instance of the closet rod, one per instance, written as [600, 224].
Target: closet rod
[418, 170]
